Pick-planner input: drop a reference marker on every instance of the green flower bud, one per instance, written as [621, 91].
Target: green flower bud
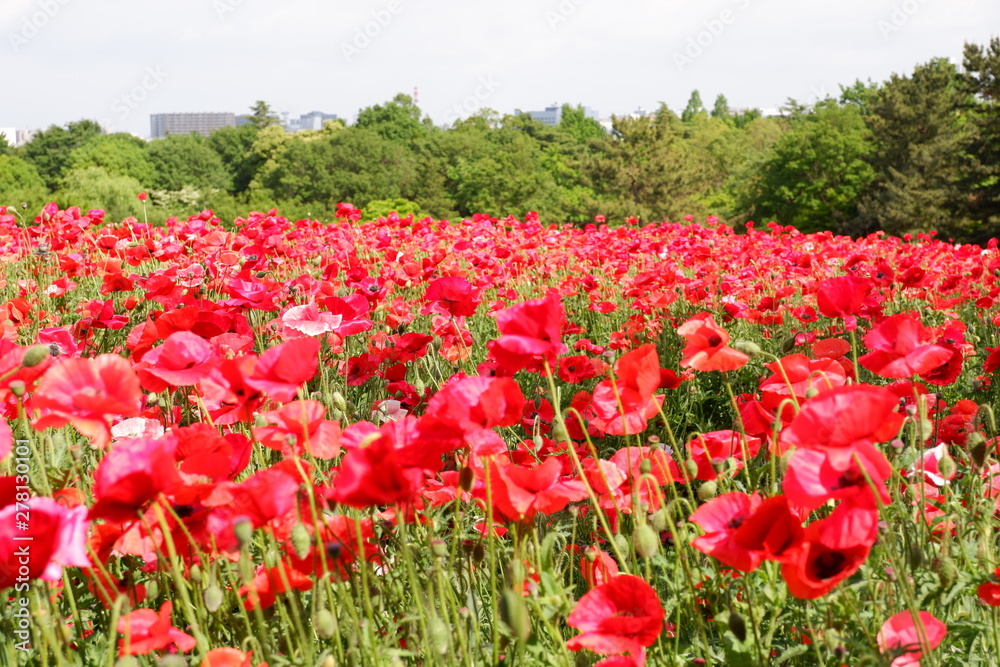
[737, 626]
[691, 468]
[196, 573]
[324, 624]
[645, 540]
[35, 355]
[214, 597]
[339, 402]
[747, 347]
[243, 528]
[466, 478]
[301, 540]
[708, 490]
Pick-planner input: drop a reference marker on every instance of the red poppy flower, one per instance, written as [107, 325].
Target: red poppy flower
[720, 518]
[229, 657]
[451, 295]
[281, 370]
[146, 631]
[182, 360]
[133, 473]
[371, 475]
[597, 567]
[270, 582]
[623, 615]
[530, 333]
[298, 427]
[906, 642]
[85, 393]
[992, 361]
[812, 478]
[663, 470]
[623, 407]
[54, 537]
[706, 348]
[227, 393]
[989, 593]
[519, 492]
[577, 368]
[709, 450]
[842, 296]
[900, 349]
[813, 568]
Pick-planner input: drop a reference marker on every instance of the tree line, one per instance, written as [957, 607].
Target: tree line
[917, 152]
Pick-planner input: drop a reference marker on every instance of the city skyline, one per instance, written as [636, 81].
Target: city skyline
[210, 55]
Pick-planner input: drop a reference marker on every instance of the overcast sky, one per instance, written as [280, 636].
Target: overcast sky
[117, 61]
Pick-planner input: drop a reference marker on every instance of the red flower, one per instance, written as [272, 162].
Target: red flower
[372, 475]
[299, 427]
[906, 640]
[622, 616]
[712, 449]
[54, 537]
[721, 518]
[182, 360]
[132, 474]
[900, 349]
[146, 631]
[228, 657]
[989, 593]
[992, 359]
[530, 333]
[842, 296]
[451, 295]
[282, 369]
[518, 492]
[142, 196]
[623, 407]
[813, 568]
[85, 393]
[812, 478]
[270, 582]
[706, 348]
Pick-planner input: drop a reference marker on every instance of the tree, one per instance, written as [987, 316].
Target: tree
[262, 115]
[574, 122]
[721, 107]
[233, 145]
[814, 174]
[95, 187]
[119, 154]
[20, 183]
[919, 137]
[694, 107]
[50, 149]
[981, 85]
[186, 160]
[398, 120]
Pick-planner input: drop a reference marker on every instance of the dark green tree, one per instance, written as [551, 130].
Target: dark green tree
[50, 149]
[186, 160]
[398, 120]
[95, 187]
[20, 183]
[233, 146]
[814, 174]
[262, 115]
[721, 107]
[919, 135]
[694, 108]
[574, 122]
[119, 154]
[981, 84]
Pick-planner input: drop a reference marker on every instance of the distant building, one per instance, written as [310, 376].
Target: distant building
[313, 120]
[24, 136]
[203, 123]
[553, 114]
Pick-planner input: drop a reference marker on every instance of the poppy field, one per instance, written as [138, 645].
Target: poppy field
[494, 441]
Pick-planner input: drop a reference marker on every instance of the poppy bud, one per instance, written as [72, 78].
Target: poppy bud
[325, 624]
[466, 478]
[213, 598]
[645, 467]
[559, 432]
[440, 635]
[478, 552]
[691, 468]
[35, 355]
[172, 661]
[514, 615]
[152, 589]
[621, 543]
[259, 421]
[977, 448]
[747, 347]
[439, 548]
[243, 529]
[330, 662]
[195, 573]
[301, 540]
[916, 556]
[708, 490]
[659, 520]
[737, 626]
[788, 344]
[947, 467]
[537, 441]
[127, 661]
[645, 540]
[947, 572]
[339, 402]
[17, 388]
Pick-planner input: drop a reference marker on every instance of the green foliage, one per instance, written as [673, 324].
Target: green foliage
[574, 122]
[20, 183]
[919, 134]
[381, 208]
[694, 107]
[981, 83]
[814, 174]
[95, 187]
[49, 150]
[398, 121]
[186, 160]
[262, 115]
[119, 154]
[233, 146]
